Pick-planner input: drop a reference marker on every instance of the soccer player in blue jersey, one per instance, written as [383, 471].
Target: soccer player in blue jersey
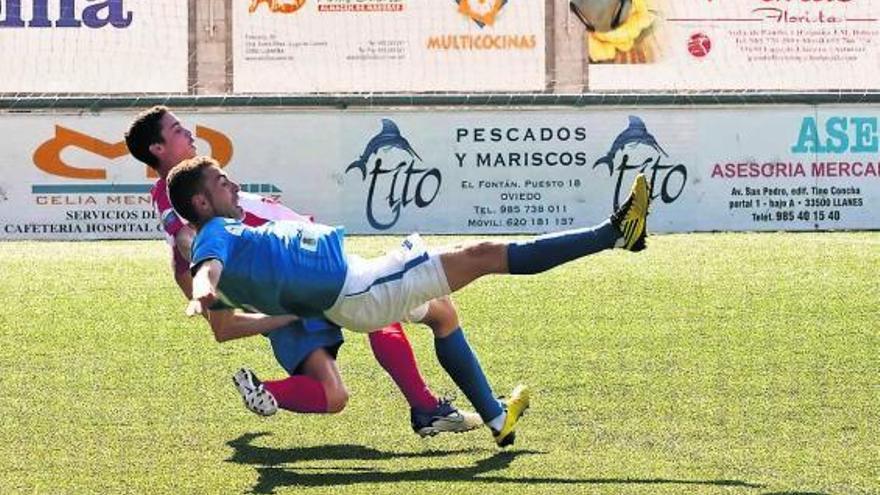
[292, 268]
[306, 348]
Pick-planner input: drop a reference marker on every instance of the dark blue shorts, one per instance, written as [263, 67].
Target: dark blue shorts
[293, 343]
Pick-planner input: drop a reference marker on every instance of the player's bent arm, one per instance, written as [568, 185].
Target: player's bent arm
[183, 241]
[205, 281]
[229, 324]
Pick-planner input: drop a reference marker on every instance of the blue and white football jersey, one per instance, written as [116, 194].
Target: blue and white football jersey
[277, 268]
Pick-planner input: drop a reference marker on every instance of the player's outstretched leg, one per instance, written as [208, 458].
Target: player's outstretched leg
[626, 228]
[256, 398]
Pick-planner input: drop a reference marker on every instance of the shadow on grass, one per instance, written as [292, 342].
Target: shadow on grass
[245, 453]
[271, 477]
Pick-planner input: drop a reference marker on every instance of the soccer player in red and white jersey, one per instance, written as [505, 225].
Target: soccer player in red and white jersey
[306, 349]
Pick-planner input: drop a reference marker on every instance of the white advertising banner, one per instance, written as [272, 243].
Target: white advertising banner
[481, 172]
[741, 45]
[115, 46]
[318, 46]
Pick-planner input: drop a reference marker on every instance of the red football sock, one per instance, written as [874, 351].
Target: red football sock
[395, 354]
[299, 393]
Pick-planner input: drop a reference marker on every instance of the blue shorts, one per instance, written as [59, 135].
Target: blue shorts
[293, 343]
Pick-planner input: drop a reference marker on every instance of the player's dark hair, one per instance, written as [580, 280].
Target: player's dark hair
[145, 131]
[184, 182]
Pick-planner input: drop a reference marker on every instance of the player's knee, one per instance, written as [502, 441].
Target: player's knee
[337, 399]
[442, 317]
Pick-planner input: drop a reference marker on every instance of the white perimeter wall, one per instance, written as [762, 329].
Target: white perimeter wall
[487, 171]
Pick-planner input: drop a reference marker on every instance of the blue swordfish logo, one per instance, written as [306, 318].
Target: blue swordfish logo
[398, 179]
[636, 135]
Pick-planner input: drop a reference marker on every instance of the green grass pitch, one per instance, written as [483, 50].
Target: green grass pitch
[736, 364]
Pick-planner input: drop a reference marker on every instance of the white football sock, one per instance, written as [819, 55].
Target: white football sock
[498, 421]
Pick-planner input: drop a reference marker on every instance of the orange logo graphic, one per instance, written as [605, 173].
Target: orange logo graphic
[483, 12]
[277, 6]
[48, 156]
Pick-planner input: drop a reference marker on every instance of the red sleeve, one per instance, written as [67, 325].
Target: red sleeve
[171, 222]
